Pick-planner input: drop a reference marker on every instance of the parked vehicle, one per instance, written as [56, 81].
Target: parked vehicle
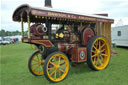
[0, 42]
[120, 36]
[9, 40]
[4, 42]
[76, 41]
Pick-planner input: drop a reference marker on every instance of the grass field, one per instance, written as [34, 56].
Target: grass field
[14, 69]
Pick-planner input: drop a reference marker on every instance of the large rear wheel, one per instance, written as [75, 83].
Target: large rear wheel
[56, 67]
[35, 64]
[98, 53]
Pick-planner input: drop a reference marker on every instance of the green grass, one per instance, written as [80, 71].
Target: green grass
[14, 69]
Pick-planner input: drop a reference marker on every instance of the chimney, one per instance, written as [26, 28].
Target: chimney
[48, 3]
[105, 14]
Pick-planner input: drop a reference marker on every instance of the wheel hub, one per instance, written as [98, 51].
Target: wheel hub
[39, 62]
[57, 66]
[98, 52]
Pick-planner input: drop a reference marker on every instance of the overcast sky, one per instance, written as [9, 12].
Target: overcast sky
[117, 9]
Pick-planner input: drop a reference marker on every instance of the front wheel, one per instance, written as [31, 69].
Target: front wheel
[56, 67]
[98, 53]
[35, 64]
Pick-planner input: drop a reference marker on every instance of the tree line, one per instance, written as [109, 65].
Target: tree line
[10, 33]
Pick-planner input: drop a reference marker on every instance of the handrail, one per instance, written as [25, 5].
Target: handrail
[28, 20]
[22, 27]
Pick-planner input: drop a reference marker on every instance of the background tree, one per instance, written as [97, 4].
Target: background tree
[9, 33]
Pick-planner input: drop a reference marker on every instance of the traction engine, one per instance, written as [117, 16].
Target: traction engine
[63, 39]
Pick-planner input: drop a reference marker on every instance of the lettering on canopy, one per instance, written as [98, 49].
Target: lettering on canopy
[67, 16]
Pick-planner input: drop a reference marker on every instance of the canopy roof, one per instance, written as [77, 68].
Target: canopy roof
[39, 15]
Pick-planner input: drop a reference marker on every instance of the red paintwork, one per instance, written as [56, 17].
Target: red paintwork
[76, 54]
[33, 29]
[32, 38]
[36, 30]
[46, 43]
[85, 52]
[36, 37]
[87, 34]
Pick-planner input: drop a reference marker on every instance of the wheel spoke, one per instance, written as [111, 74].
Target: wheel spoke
[35, 60]
[94, 60]
[94, 47]
[101, 58]
[35, 64]
[59, 73]
[93, 51]
[61, 62]
[102, 50]
[62, 66]
[96, 43]
[52, 63]
[104, 54]
[50, 68]
[52, 73]
[55, 75]
[36, 68]
[94, 55]
[102, 46]
[99, 61]
[61, 70]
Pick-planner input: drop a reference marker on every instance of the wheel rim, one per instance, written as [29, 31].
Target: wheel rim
[100, 53]
[37, 64]
[57, 67]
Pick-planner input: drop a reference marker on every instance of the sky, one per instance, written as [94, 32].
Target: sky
[116, 9]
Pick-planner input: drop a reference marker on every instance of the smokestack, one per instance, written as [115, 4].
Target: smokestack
[48, 3]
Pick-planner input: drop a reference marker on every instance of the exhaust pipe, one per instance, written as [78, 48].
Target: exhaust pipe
[48, 3]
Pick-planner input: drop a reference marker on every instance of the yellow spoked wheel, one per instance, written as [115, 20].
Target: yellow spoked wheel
[56, 67]
[35, 64]
[98, 53]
